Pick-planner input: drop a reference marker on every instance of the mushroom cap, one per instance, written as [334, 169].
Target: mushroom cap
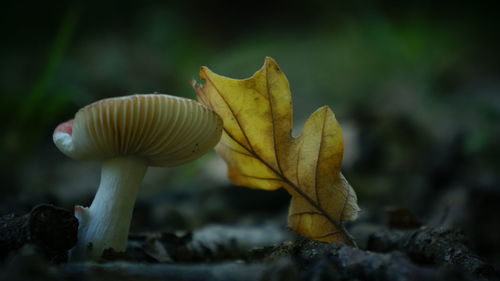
[164, 130]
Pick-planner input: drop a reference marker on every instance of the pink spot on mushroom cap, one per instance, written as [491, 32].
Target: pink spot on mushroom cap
[66, 127]
[78, 208]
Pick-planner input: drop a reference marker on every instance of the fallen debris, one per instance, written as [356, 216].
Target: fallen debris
[436, 246]
[51, 229]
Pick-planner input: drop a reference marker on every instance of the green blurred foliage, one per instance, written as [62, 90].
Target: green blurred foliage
[370, 60]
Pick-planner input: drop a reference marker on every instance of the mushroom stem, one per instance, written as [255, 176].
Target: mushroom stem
[105, 224]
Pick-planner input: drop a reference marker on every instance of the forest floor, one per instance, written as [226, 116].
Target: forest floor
[35, 246]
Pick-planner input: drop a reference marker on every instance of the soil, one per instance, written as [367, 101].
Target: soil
[34, 247]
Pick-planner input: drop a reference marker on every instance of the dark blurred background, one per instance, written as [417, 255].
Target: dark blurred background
[415, 86]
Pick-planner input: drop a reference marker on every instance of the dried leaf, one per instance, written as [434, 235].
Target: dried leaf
[260, 151]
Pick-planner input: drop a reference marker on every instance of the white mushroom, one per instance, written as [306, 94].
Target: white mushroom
[128, 134]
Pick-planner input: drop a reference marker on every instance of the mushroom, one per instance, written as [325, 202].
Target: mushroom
[128, 134]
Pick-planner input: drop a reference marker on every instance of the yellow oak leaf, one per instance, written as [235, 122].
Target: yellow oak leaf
[260, 151]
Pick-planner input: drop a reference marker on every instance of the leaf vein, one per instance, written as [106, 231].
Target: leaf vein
[273, 123]
[297, 165]
[235, 116]
[317, 161]
[306, 213]
[327, 234]
[259, 178]
[235, 150]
